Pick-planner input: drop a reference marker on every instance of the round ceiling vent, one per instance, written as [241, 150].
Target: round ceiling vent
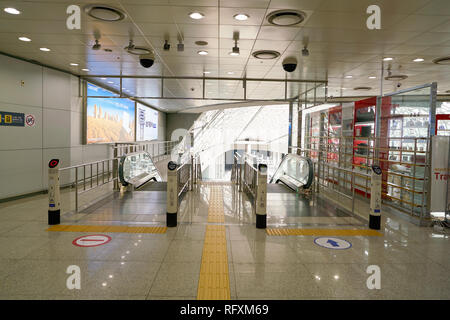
[396, 77]
[363, 88]
[266, 54]
[201, 43]
[286, 17]
[444, 60]
[138, 50]
[104, 12]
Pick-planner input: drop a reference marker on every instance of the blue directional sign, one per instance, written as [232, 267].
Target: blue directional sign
[12, 119]
[333, 243]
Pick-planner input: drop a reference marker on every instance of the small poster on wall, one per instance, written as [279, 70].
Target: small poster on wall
[147, 123]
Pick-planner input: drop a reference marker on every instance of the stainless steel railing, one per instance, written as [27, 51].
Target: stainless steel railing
[336, 170]
[92, 175]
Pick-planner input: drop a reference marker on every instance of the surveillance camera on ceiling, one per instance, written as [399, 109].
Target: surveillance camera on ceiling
[290, 64]
[166, 46]
[96, 46]
[146, 60]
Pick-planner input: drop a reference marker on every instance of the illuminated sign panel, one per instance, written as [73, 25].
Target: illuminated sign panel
[109, 120]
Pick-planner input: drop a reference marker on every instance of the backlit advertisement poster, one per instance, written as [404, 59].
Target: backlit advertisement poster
[147, 123]
[109, 120]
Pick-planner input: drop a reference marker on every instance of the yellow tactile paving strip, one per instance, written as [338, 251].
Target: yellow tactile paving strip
[215, 210]
[119, 229]
[214, 281]
[322, 232]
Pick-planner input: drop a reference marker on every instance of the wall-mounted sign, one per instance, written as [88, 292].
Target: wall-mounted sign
[30, 120]
[147, 123]
[12, 119]
[440, 173]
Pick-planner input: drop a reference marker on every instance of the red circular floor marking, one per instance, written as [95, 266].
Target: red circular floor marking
[92, 240]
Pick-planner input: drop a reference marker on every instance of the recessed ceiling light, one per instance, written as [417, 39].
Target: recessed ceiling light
[103, 78]
[230, 72]
[202, 52]
[388, 59]
[286, 17]
[85, 69]
[348, 77]
[266, 54]
[443, 60]
[44, 49]
[241, 16]
[206, 72]
[105, 13]
[110, 82]
[196, 15]
[418, 60]
[396, 77]
[11, 10]
[24, 39]
[362, 88]
[201, 43]
[74, 64]
[372, 77]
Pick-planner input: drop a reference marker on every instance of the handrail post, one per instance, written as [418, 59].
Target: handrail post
[261, 197]
[191, 172]
[76, 189]
[172, 194]
[54, 204]
[115, 170]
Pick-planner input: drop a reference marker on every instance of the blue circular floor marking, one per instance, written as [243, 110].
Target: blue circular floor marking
[332, 243]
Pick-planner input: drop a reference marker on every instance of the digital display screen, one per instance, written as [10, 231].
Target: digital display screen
[109, 120]
[147, 123]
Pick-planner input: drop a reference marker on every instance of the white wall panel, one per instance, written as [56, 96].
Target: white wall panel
[20, 172]
[56, 89]
[56, 128]
[14, 71]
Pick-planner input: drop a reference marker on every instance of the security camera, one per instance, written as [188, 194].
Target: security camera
[147, 60]
[399, 85]
[166, 45]
[289, 64]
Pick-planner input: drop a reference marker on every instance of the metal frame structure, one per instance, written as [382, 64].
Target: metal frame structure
[333, 176]
[204, 80]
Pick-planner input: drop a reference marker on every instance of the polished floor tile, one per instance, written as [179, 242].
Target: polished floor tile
[413, 261]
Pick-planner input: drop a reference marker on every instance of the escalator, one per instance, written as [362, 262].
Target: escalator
[137, 170]
[293, 174]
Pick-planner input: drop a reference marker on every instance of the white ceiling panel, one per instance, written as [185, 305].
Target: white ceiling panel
[335, 32]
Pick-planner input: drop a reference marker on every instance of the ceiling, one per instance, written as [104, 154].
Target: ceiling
[338, 40]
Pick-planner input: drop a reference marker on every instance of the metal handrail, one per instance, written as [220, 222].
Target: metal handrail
[106, 170]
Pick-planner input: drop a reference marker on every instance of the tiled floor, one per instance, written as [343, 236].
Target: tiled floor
[414, 262]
